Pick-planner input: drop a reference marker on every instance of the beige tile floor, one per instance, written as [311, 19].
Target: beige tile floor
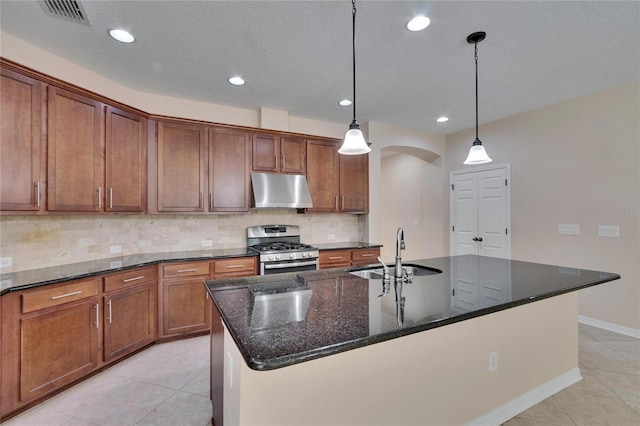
[168, 384]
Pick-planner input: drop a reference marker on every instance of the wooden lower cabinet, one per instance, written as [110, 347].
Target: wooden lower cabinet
[184, 306]
[348, 257]
[58, 346]
[130, 311]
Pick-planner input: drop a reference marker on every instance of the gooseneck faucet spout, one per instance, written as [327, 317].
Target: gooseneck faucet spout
[399, 248]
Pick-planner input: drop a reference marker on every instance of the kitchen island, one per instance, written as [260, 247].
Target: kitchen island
[475, 340]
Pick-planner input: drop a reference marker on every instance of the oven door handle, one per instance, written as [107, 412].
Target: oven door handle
[289, 265]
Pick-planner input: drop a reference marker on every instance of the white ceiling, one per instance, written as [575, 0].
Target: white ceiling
[296, 55]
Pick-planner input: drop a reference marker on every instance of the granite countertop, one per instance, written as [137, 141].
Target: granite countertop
[37, 277]
[280, 320]
[346, 246]
[21, 280]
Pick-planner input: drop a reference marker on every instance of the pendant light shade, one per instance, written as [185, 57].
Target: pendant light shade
[354, 143]
[477, 153]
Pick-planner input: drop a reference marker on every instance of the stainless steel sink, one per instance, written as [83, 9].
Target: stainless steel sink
[412, 270]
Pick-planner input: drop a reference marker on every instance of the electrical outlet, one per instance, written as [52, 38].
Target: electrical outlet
[116, 249]
[493, 361]
[608, 231]
[115, 264]
[6, 262]
[331, 237]
[230, 369]
[568, 229]
[207, 243]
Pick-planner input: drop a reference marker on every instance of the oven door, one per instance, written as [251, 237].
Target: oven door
[281, 266]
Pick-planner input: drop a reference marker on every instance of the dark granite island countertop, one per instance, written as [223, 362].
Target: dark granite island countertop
[476, 343]
[337, 311]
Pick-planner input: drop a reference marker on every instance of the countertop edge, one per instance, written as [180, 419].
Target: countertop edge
[285, 361]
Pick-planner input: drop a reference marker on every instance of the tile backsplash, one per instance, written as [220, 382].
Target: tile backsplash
[42, 241]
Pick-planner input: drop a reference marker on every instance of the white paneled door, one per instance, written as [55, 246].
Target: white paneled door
[480, 212]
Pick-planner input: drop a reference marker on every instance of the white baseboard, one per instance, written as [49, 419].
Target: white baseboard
[528, 400]
[627, 331]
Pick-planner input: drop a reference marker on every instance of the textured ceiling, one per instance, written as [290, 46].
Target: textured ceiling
[296, 55]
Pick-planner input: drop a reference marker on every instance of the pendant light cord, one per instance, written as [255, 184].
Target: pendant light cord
[353, 13]
[476, 56]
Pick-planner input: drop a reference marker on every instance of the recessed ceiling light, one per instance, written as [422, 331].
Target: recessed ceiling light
[236, 81]
[442, 119]
[418, 23]
[345, 102]
[122, 35]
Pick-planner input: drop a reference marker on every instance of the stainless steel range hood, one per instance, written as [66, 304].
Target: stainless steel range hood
[271, 190]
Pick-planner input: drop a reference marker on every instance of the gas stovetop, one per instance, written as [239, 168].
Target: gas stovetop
[279, 242]
[281, 246]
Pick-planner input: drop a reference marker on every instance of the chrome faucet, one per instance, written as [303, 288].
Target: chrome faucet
[399, 247]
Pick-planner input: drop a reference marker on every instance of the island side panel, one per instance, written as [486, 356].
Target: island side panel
[217, 366]
[438, 376]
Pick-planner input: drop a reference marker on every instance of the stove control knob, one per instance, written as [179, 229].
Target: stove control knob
[270, 257]
[277, 256]
[292, 255]
[304, 254]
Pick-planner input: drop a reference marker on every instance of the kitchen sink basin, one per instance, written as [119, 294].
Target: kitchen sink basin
[411, 270]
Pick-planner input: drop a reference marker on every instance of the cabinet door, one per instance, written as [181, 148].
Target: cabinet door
[126, 162]
[322, 175]
[129, 320]
[229, 174]
[266, 150]
[186, 308]
[354, 183]
[181, 167]
[293, 155]
[58, 347]
[75, 152]
[21, 162]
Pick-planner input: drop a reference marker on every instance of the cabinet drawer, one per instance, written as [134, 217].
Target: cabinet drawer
[129, 278]
[49, 297]
[335, 256]
[361, 255]
[238, 264]
[185, 269]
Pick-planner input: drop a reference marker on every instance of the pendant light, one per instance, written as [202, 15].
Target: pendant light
[354, 143]
[477, 154]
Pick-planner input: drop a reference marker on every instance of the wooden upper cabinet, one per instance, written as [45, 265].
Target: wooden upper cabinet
[323, 170]
[75, 152]
[126, 162]
[354, 183]
[21, 143]
[278, 154]
[266, 150]
[181, 167]
[229, 174]
[293, 154]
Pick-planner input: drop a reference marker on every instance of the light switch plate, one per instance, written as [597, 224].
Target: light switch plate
[568, 229]
[608, 231]
[115, 249]
[6, 262]
[207, 243]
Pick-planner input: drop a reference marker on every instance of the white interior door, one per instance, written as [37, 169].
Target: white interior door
[480, 212]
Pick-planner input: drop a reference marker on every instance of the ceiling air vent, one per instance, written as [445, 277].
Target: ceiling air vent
[70, 10]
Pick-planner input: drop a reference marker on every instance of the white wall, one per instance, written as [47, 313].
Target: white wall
[406, 184]
[575, 162]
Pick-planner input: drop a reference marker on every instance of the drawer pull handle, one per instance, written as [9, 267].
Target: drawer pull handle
[133, 279]
[109, 303]
[367, 255]
[187, 270]
[234, 266]
[335, 257]
[97, 323]
[65, 295]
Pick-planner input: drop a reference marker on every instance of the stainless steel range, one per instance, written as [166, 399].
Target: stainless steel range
[281, 250]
